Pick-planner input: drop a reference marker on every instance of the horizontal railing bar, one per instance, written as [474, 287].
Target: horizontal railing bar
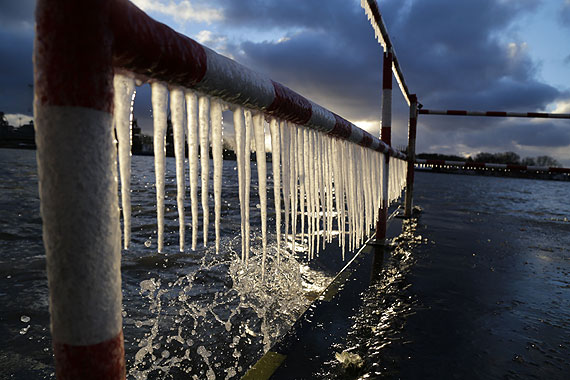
[153, 50]
[495, 114]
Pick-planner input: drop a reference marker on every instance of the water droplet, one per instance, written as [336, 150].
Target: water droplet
[25, 318]
[147, 243]
[165, 354]
[24, 330]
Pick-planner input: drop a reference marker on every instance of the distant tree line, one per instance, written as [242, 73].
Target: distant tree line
[21, 137]
[495, 158]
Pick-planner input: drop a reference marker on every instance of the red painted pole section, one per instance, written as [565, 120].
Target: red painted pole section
[386, 137]
[73, 100]
[412, 128]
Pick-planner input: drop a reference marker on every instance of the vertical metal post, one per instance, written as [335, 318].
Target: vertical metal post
[77, 167]
[385, 136]
[411, 155]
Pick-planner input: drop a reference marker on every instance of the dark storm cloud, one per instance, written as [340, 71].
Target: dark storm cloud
[16, 92]
[511, 133]
[450, 51]
[17, 13]
[16, 45]
[329, 55]
[454, 54]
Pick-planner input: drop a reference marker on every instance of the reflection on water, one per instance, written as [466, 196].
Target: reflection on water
[485, 297]
[186, 315]
[212, 321]
[383, 312]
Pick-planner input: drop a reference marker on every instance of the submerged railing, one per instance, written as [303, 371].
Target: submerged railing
[88, 57]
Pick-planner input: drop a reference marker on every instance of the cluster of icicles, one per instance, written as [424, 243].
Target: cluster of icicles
[325, 181]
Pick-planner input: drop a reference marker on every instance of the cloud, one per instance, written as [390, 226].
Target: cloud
[17, 14]
[181, 11]
[17, 120]
[16, 81]
[564, 15]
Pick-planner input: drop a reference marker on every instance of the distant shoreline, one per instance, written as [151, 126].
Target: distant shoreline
[487, 172]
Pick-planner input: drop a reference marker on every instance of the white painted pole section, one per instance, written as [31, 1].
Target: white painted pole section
[81, 230]
[124, 88]
[159, 95]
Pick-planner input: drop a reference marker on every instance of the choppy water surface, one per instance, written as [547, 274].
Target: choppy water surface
[488, 295]
[192, 314]
[478, 288]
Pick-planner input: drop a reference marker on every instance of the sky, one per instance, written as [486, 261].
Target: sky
[481, 55]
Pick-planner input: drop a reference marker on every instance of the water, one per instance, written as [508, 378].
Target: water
[479, 290]
[193, 314]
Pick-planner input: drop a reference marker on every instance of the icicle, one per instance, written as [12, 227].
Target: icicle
[240, 148]
[124, 98]
[314, 191]
[301, 173]
[159, 107]
[204, 117]
[192, 113]
[285, 146]
[259, 134]
[177, 110]
[275, 154]
[216, 117]
[322, 185]
[247, 163]
[338, 189]
[329, 172]
[309, 183]
[293, 184]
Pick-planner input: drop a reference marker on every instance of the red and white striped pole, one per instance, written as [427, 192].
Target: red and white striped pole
[540, 115]
[386, 137]
[73, 104]
[412, 128]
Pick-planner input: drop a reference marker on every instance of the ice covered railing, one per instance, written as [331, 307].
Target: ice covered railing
[88, 56]
[314, 163]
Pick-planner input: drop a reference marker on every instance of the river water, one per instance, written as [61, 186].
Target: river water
[485, 295]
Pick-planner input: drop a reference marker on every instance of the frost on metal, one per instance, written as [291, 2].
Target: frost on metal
[332, 180]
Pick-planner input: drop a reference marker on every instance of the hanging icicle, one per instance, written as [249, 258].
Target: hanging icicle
[293, 184]
[124, 88]
[285, 133]
[275, 154]
[178, 112]
[240, 153]
[217, 154]
[192, 112]
[204, 119]
[159, 94]
[259, 133]
[247, 163]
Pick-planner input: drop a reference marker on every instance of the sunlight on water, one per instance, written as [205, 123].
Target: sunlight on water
[213, 321]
